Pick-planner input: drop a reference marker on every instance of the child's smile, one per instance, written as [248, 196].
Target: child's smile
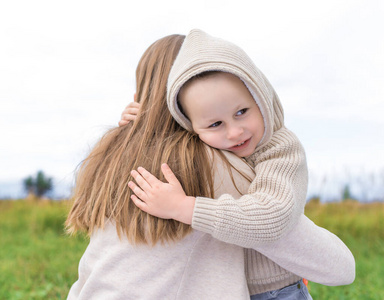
[223, 113]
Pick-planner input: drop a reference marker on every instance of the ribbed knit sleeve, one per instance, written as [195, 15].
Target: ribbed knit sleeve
[274, 202]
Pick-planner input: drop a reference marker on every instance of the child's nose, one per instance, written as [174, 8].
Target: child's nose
[234, 132]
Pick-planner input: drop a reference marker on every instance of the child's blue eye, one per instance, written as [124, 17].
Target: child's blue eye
[241, 112]
[215, 124]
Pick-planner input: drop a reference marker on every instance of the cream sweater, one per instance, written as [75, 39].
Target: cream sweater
[272, 208]
[199, 266]
[276, 197]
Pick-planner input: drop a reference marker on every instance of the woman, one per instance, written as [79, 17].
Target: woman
[134, 255]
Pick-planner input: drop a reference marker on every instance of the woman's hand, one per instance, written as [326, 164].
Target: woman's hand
[163, 200]
[130, 112]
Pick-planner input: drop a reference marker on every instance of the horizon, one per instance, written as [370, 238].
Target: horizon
[65, 83]
[330, 187]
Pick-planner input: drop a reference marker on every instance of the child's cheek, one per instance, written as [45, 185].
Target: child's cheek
[215, 140]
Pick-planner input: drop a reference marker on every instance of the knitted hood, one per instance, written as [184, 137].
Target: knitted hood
[201, 52]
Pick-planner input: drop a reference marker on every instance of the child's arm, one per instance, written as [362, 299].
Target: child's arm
[275, 201]
[306, 250]
[313, 253]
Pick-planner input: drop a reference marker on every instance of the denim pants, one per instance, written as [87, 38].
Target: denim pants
[295, 291]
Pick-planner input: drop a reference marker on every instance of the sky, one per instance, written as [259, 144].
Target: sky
[67, 71]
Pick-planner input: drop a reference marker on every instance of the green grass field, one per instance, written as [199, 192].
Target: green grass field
[361, 227]
[38, 261]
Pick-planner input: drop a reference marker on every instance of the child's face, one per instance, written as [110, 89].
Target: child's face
[223, 113]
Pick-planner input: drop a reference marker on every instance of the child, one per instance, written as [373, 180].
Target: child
[132, 255]
[215, 91]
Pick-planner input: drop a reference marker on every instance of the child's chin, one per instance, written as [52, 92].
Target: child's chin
[246, 153]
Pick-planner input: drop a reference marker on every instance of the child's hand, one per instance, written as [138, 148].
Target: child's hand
[163, 200]
[129, 113]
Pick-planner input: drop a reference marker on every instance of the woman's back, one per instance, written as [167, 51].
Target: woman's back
[186, 269]
[195, 267]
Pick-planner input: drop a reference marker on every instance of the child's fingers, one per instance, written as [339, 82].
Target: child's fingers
[128, 117]
[152, 180]
[140, 204]
[141, 181]
[169, 175]
[138, 191]
[131, 107]
[130, 111]
[134, 105]
[123, 122]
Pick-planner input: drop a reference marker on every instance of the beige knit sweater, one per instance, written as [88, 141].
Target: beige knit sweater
[200, 266]
[277, 194]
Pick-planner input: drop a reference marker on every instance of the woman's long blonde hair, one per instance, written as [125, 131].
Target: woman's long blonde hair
[102, 194]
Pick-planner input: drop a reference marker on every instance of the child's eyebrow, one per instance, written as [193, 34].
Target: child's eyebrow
[213, 120]
[239, 107]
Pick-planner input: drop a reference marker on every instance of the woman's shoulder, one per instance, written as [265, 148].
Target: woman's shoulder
[231, 174]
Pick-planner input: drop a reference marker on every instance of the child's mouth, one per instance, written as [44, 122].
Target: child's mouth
[240, 146]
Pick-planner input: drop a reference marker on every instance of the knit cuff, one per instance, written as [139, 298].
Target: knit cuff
[204, 215]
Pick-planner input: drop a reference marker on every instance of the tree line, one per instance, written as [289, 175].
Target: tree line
[38, 185]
